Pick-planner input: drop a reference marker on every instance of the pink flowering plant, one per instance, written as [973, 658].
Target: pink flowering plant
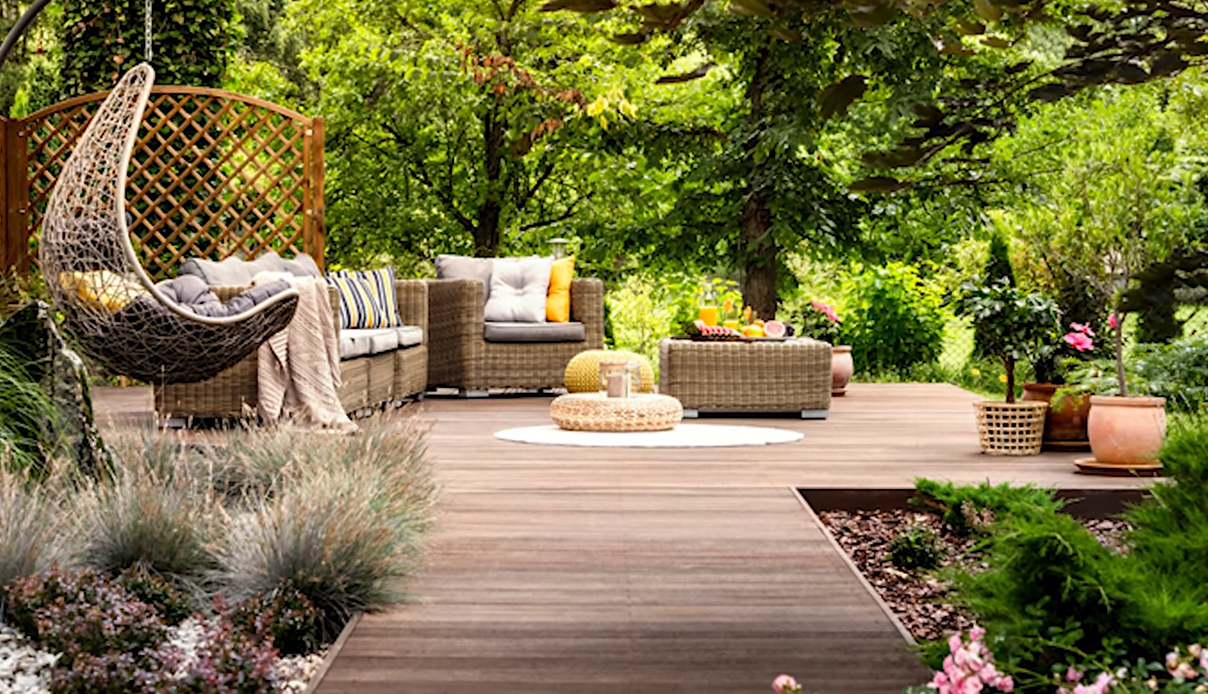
[1180, 672]
[968, 669]
[821, 321]
[1053, 360]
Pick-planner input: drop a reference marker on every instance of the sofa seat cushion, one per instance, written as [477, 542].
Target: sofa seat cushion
[497, 331]
[363, 342]
[410, 336]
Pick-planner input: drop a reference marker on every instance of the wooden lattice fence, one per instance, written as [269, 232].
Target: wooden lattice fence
[214, 174]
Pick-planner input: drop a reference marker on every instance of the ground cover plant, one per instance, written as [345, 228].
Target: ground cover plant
[195, 567]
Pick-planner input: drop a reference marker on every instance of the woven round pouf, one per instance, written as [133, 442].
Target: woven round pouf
[583, 371]
[598, 412]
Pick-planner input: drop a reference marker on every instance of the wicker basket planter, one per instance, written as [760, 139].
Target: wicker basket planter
[1015, 428]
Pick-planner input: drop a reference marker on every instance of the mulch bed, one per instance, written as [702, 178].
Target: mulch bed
[920, 600]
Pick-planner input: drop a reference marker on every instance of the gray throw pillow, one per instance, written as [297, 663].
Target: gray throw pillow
[236, 272]
[518, 290]
[230, 272]
[302, 265]
[460, 267]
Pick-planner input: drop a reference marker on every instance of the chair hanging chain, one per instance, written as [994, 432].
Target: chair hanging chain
[147, 37]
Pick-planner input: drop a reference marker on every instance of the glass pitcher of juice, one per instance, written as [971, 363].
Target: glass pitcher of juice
[709, 311]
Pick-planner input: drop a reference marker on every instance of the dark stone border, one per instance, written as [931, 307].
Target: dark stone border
[1086, 503]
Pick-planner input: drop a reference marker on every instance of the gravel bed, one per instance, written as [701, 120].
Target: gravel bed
[919, 599]
[26, 670]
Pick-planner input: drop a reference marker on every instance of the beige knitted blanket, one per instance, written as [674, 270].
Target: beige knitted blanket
[299, 367]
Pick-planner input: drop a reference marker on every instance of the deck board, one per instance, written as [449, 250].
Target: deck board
[585, 570]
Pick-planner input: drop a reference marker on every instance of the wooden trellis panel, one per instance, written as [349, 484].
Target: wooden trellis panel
[214, 174]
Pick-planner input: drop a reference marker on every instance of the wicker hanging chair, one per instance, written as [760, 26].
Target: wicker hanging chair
[109, 303]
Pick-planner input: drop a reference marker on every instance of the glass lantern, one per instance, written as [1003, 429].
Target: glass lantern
[619, 379]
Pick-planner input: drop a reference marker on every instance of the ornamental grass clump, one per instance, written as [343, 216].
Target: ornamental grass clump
[24, 408]
[341, 524]
[32, 527]
[153, 513]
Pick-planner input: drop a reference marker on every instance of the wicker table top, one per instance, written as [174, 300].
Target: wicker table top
[598, 412]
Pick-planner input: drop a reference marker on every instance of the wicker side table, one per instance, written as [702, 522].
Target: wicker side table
[598, 412]
[741, 376]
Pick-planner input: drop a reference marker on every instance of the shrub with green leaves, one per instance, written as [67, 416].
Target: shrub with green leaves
[918, 548]
[892, 321]
[1167, 567]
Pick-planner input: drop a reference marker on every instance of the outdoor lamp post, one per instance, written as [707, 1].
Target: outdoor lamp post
[558, 247]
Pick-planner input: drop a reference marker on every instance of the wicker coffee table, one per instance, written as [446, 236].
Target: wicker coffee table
[755, 376]
[598, 412]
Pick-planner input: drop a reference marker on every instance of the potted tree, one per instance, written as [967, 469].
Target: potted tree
[1012, 326]
[1117, 197]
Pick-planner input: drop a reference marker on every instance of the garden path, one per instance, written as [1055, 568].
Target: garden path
[580, 570]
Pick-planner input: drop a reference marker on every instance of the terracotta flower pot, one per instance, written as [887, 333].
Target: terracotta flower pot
[1065, 421]
[1126, 431]
[841, 369]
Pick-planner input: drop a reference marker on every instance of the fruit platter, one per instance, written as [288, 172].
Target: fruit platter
[770, 331]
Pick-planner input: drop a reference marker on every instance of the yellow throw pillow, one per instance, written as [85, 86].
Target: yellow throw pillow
[101, 289]
[557, 302]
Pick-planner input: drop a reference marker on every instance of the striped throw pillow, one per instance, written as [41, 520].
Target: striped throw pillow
[360, 306]
[381, 285]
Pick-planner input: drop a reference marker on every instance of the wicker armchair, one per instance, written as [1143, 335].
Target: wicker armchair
[366, 382]
[461, 357]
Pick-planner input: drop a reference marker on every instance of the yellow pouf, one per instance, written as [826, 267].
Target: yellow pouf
[583, 371]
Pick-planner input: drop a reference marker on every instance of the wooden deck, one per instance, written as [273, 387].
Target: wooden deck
[580, 570]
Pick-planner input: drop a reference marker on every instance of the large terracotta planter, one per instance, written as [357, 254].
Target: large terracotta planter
[1065, 421]
[1127, 431]
[841, 369]
[1012, 428]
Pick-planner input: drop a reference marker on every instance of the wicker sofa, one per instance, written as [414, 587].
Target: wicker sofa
[467, 354]
[368, 381]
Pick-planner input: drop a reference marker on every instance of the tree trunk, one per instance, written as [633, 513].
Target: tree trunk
[1009, 364]
[758, 246]
[759, 273]
[486, 232]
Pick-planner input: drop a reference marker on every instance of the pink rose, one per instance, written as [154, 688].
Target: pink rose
[1005, 684]
[1072, 675]
[1111, 321]
[977, 634]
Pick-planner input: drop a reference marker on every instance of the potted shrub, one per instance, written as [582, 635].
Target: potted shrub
[821, 322]
[1069, 409]
[1013, 325]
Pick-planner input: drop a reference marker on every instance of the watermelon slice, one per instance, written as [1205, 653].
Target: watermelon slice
[773, 328]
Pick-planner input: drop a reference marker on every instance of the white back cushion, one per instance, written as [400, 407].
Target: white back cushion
[518, 290]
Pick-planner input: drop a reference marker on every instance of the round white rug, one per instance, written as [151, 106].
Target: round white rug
[682, 436]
